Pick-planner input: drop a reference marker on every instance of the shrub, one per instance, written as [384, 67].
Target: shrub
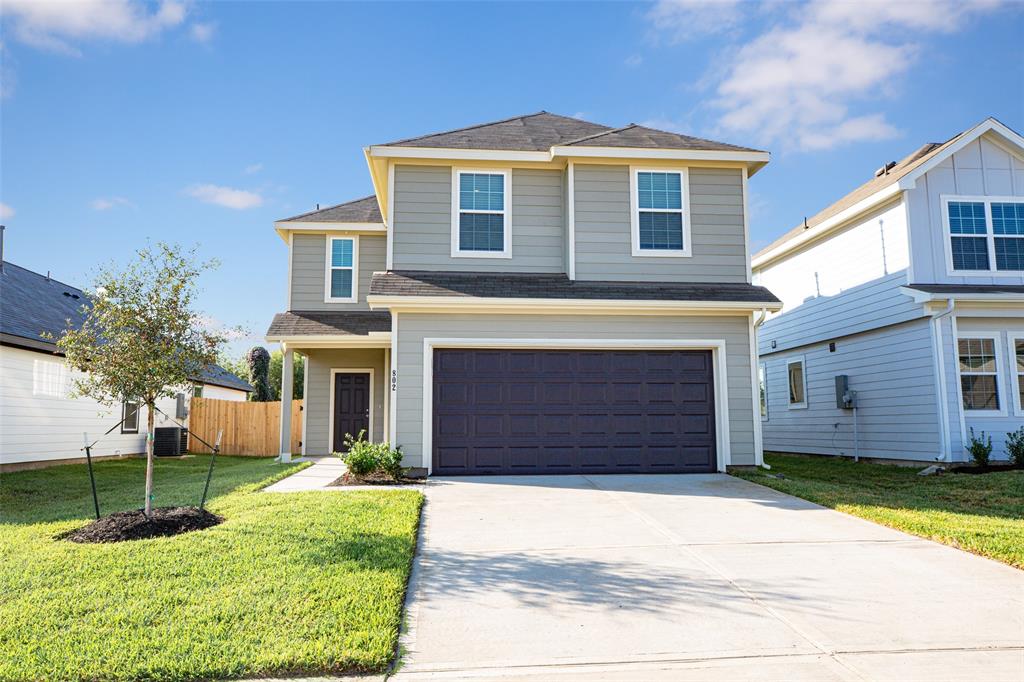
[1015, 446]
[980, 448]
[364, 458]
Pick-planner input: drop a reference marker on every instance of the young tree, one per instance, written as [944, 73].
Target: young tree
[258, 360]
[141, 339]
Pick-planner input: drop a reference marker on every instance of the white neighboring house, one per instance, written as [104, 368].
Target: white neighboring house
[38, 421]
[912, 286]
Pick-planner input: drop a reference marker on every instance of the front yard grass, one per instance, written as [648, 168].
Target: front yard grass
[300, 583]
[983, 514]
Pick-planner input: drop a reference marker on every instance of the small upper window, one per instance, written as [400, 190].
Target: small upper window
[797, 384]
[341, 269]
[660, 211]
[197, 391]
[480, 227]
[130, 415]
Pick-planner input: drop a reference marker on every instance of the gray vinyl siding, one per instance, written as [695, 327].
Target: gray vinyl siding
[316, 409]
[893, 372]
[878, 303]
[413, 328]
[604, 237]
[423, 222]
[308, 271]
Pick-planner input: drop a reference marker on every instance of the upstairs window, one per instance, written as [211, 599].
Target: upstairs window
[341, 270]
[979, 373]
[985, 235]
[660, 223]
[480, 224]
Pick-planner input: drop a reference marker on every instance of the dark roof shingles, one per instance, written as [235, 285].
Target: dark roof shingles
[365, 210]
[316, 323]
[486, 285]
[642, 137]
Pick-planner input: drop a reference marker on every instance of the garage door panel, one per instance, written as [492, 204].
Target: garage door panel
[560, 411]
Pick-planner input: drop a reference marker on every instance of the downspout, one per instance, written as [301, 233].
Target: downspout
[756, 370]
[941, 374]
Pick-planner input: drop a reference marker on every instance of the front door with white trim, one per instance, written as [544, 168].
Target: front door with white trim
[351, 407]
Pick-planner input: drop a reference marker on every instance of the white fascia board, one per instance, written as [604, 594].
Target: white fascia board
[929, 297]
[822, 229]
[538, 305]
[385, 151]
[909, 181]
[323, 226]
[382, 340]
[668, 154]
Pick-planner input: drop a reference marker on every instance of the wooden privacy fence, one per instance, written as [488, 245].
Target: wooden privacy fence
[249, 428]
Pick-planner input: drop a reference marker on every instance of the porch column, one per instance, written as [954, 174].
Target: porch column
[287, 380]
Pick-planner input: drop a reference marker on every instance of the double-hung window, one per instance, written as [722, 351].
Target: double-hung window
[1017, 360]
[797, 384]
[986, 235]
[977, 358]
[342, 270]
[480, 214]
[660, 220]
[762, 390]
[130, 417]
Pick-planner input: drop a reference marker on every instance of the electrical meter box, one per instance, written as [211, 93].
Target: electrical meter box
[844, 398]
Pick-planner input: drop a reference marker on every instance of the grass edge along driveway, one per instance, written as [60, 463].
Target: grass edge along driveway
[982, 514]
[301, 583]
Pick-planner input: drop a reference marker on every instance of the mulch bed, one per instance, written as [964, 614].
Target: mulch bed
[990, 469]
[375, 479]
[133, 525]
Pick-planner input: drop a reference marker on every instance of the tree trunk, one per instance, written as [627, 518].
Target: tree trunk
[150, 409]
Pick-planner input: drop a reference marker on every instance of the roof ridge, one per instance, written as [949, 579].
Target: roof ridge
[326, 208]
[472, 127]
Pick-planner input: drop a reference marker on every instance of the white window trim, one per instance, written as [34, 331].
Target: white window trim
[506, 252]
[803, 375]
[330, 401]
[997, 348]
[634, 213]
[355, 270]
[990, 236]
[124, 416]
[1012, 338]
[762, 376]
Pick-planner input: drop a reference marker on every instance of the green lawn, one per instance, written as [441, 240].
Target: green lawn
[981, 514]
[288, 584]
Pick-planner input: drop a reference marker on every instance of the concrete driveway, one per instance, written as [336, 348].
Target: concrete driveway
[692, 577]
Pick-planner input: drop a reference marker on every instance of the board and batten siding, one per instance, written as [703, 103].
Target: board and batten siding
[982, 168]
[604, 231]
[893, 372]
[413, 328]
[317, 403]
[309, 270]
[39, 421]
[422, 227]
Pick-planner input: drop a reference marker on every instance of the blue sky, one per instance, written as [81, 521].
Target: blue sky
[204, 122]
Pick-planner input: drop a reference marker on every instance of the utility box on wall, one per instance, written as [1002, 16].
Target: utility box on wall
[844, 397]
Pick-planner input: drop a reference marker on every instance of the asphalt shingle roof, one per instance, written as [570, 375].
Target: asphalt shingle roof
[365, 210]
[642, 137]
[509, 285]
[316, 323]
[32, 305]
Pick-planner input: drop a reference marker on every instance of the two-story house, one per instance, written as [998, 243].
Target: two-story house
[535, 295]
[911, 287]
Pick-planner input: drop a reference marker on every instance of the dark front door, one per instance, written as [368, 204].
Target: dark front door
[572, 411]
[351, 406]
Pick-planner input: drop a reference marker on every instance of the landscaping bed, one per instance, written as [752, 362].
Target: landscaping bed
[376, 478]
[979, 514]
[134, 525]
[288, 584]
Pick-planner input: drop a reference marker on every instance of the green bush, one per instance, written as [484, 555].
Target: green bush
[364, 458]
[980, 448]
[1015, 446]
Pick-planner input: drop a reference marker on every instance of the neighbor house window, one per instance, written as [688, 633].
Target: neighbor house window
[762, 389]
[197, 391]
[130, 415]
[480, 224]
[985, 235]
[341, 270]
[797, 383]
[979, 381]
[660, 224]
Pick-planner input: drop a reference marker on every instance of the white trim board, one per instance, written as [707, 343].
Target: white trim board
[716, 346]
[330, 415]
[1011, 338]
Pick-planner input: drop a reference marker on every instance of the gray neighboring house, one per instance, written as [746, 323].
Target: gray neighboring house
[912, 286]
[532, 296]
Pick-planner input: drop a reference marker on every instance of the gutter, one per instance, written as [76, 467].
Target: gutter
[936, 321]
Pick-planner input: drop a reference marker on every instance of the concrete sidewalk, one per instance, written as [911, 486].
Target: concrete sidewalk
[699, 577]
[325, 470]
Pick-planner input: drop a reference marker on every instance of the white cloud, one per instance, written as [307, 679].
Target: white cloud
[105, 204]
[202, 32]
[253, 168]
[634, 60]
[228, 197]
[56, 26]
[805, 81]
[213, 325]
[6, 211]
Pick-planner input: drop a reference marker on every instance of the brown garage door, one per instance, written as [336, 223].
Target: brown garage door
[572, 411]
